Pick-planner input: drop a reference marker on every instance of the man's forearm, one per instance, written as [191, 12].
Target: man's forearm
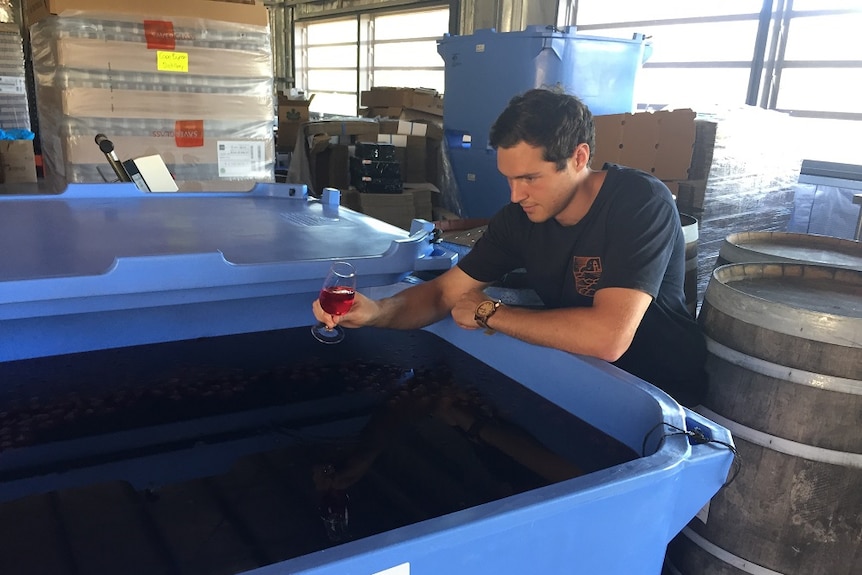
[604, 330]
[415, 307]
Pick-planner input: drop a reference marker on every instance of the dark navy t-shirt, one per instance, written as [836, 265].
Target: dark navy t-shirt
[631, 238]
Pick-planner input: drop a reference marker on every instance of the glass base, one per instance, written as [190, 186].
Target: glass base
[326, 335]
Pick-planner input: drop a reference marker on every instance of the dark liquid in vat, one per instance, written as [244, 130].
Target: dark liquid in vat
[224, 454]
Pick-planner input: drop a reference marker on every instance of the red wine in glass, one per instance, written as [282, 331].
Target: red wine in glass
[336, 298]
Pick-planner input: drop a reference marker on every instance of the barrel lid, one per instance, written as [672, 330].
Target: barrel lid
[791, 247]
[821, 303]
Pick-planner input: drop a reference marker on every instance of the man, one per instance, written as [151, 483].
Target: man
[602, 248]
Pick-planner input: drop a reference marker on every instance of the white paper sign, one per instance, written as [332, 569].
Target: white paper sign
[11, 85]
[241, 159]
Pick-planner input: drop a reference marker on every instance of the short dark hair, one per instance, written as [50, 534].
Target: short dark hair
[549, 119]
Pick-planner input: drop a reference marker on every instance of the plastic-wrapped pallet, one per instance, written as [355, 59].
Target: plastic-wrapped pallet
[14, 110]
[195, 90]
[744, 166]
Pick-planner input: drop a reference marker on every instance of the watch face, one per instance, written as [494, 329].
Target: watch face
[485, 308]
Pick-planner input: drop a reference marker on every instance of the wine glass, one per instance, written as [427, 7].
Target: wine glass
[336, 297]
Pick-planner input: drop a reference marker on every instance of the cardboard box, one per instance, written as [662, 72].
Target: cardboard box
[428, 103]
[17, 162]
[367, 129]
[331, 167]
[126, 56]
[83, 150]
[396, 209]
[397, 140]
[656, 142]
[410, 128]
[704, 149]
[424, 198]
[386, 97]
[236, 12]
[287, 134]
[423, 100]
[293, 110]
[122, 104]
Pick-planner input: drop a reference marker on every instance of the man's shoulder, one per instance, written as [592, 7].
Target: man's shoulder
[637, 183]
[628, 175]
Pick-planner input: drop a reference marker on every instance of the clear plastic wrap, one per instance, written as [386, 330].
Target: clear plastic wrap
[747, 182]
[198, 92]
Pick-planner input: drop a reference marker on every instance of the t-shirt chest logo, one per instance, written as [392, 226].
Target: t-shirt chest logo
[588, 271]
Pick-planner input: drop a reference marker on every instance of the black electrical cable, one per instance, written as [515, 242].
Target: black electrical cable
[697, 437]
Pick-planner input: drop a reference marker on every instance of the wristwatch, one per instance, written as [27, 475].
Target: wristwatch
[484, 312]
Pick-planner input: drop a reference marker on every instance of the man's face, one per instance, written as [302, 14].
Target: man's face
[536, 185]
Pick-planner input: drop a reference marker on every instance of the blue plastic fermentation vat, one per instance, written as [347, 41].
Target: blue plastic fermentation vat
[194, 266]
[483, 71]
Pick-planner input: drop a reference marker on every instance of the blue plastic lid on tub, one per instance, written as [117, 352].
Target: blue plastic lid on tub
[109, 239]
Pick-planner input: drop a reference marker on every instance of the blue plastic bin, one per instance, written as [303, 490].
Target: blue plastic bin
[616, 521]
[483, 71]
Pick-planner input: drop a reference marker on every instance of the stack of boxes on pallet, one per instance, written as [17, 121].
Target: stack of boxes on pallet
[14, 111]
[17, 158]
[378, 190]
[190, 81]
[386, 167]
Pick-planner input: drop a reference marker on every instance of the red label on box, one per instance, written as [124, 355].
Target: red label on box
[160, 35]
[189, 133]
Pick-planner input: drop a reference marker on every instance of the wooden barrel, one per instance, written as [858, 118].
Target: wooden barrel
[790, 247]
[690, 233]
[785, 367]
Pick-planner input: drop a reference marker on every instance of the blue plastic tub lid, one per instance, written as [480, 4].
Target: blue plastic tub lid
[104, 239]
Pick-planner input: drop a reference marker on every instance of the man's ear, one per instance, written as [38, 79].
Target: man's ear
[581, 157]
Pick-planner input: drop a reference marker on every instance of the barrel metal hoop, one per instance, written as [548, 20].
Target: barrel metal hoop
[727, 557]
[786, 446]
[783, 372]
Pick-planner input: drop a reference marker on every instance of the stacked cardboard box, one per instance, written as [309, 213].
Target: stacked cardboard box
[656, 142]
[404, 103]
[692, 192]
[424, 198]
[14, 110]
[415, 201]
[17, 162]
[190, 81]
[292, 114]
[417, 147]
[324, 160]
[395, 209]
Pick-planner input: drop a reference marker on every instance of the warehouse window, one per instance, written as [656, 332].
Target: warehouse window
[694, 45]
[812, 62]
[337, 59]
[821, 69]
